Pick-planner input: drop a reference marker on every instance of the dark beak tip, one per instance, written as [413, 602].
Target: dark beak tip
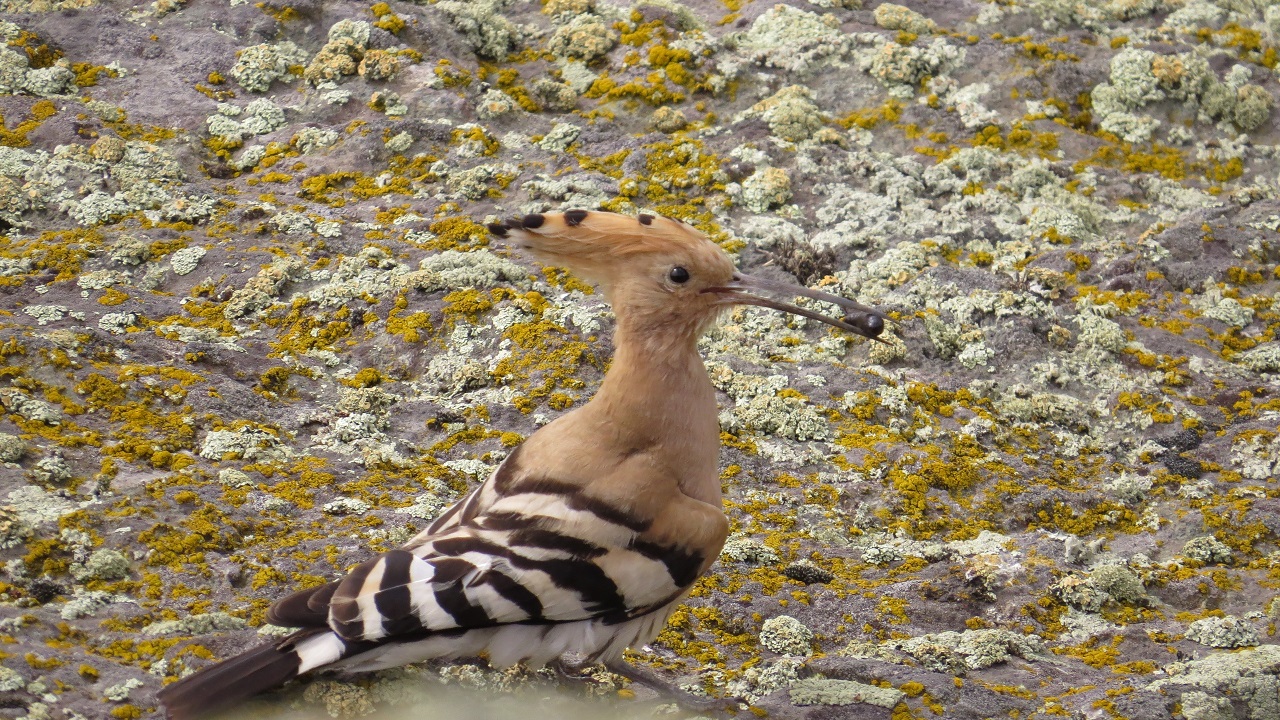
[869, 324]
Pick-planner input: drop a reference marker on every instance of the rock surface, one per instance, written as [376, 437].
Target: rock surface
[253, 330]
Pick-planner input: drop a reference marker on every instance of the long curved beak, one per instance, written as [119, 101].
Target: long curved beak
[857, 319]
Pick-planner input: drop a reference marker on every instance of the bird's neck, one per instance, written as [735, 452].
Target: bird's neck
[658, 399]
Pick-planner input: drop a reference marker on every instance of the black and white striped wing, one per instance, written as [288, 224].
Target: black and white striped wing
[513, 568]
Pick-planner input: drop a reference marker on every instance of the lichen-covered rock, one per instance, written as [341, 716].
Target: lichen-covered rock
[490, 34]
[786, 635]
[1248, 675]
[1060, 204]
[379, 65]
[14, 529]
[198, 624]
[11, 681]
[896, 17]
[901, 67]
[309, 139]
[339, 699]
[51, 81]
[960, 652]
[1207, 549]
[87, 604]
[585, 37]
[337, 59]
[1264, 358]
[822, 691]
[12, 448]
[1197, 705]
[554, 96]
[562, 135]
[257, 66]
[1109, 583]
[783, 414]
[1223, 632]
[668, 120]
[1248, 106]
[248, 443]
[51, 470]
[767, 188]
[185, 261]
[346, 506]
[765, 679]
[104, 564]
[495, 104]
[262, 116]
[13, 71]
[791, 113]
[261, 290]
[793, 39]
[745, 550]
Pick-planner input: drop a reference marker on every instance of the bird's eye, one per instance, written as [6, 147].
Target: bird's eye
[679, 275]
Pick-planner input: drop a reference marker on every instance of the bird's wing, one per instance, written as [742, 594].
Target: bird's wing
[511, 567]
[518, 549]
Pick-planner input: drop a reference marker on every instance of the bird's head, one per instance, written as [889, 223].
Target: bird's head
[662, 275]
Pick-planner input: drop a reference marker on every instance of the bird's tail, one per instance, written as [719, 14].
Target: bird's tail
[231, 682]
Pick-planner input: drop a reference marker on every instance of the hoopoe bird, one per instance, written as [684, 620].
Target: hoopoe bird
[589, 534]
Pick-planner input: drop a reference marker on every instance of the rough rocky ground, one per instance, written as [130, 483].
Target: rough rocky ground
[251, 331]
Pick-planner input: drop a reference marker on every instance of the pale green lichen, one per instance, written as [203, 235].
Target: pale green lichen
[453, 270]
[952, 652]
[585, 37]
[791, 113]
[309, 139]
[900, 68]
[822, 691]
[87, 603]
[765, 189]
[562, 135]
[745, 550]
[12, 448]
[117, 323]
[793, 39]
[399, 143]
[786, 635]
[186, 260]
[120, 692]
[198, 624]
[1197, 705]
[14, 529]
[495, 104]
[1248, 675]
[1264, 358]
[10, 681]
[52, 470]
[1109, 583]
[248, 443]
[345, 506]
[1207, 549]
[896, 17]
[104, 564]
[490, 34]
[765, 679]
[1223, 632]
[257, 66]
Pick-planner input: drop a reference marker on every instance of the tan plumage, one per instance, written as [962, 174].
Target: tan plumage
[590, 534]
